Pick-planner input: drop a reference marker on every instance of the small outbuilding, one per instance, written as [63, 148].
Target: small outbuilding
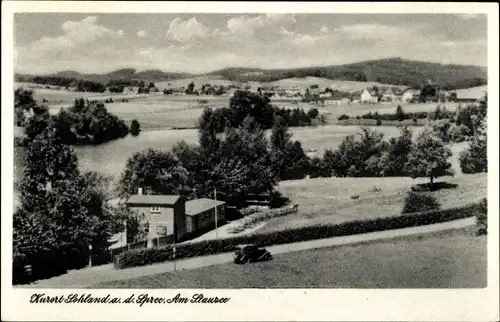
[201, 215]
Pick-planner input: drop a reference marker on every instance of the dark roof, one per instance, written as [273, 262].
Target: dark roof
[198, 206]
[153, 199]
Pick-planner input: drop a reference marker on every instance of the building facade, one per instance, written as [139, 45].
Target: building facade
[369, 97]
[202, 214]
[163, 215]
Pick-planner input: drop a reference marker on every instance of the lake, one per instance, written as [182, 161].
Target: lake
[110, 158]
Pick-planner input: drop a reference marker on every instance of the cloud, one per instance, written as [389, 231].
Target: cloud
[187, 30]
[75, 34]
[142, 33]
[245, 25]
[470, 16]
[372, 31]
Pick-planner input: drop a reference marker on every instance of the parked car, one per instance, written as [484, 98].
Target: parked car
[250, 253]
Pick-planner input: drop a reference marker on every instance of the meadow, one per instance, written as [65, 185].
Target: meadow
[323, 83]
[329, 200]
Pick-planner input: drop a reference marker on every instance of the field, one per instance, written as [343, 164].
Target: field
[477, 91]
[157, 111]
[328, 200]
[198, 82]
[345, 86]
[452, 259]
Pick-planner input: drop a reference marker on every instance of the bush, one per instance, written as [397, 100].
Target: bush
[142, 257]
[343, 117]
[135, 128]
[482, 218]
[420, 201]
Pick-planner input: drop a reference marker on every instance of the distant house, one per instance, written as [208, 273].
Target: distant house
[389, 95]
[131, 90]
[356, 98]
[474, 94]
[410, 94]
[200, 215]
[368, 96]
[337, 98]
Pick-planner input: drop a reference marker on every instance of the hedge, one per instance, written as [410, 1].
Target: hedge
[140, 257]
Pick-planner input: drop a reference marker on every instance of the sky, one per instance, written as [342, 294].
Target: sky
[199, 43]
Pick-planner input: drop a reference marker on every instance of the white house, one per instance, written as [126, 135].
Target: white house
[389, 95]
[410, 94]
[368, 96]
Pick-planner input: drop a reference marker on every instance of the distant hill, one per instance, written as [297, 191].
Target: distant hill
[128, 74]
[395, 71]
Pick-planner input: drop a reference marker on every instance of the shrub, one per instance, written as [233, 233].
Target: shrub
[135, 128]
[379, 122]
[343, 117]
[482, 218]
[420, 201]
[142, 257]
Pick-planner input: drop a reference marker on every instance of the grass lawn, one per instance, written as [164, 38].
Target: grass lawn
[328, 200]
[452, 259]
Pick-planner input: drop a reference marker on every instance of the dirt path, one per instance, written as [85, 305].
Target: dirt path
[88, 277]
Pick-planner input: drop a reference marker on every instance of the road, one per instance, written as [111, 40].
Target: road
[86, 278]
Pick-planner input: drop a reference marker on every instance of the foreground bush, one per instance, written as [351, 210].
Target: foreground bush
[482, 218]
[142, 257]
[420, 201]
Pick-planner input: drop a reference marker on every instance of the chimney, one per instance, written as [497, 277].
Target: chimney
[139, 191]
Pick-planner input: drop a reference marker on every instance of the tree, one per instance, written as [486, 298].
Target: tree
[288, 157]
[429, 157]
[313, 113]
[190, 88]
[245, 103]
[428, 93]
[135, 128]
[135, 231]
[400, 114]
[98, 191]
[60, 208]
[155, 171]
[350, 159]
[23, 102]
[318, 169]
[438, 113]
[191, 159]
[245, 164]
[475, 158]
[393, 160]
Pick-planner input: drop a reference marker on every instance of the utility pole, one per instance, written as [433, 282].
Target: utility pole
[173, 249]
[215, 201]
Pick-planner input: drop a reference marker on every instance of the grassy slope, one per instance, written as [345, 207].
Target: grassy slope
[328, 200]
[453, 259]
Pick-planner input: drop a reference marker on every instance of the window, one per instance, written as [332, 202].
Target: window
[155, 209]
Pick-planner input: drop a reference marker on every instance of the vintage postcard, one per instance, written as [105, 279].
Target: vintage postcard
[249, 161]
